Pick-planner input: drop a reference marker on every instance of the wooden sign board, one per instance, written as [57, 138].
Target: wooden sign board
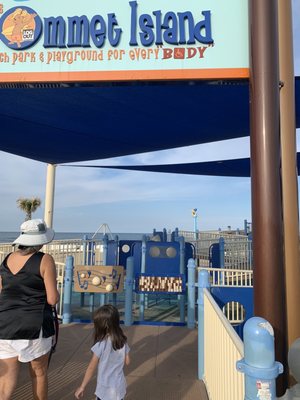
[98, 278]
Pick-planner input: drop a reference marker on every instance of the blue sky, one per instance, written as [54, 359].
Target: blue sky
[136, 201]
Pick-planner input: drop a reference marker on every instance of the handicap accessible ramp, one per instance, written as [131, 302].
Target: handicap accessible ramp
[163, 364]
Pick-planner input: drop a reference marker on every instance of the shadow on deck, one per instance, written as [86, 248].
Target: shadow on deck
[163, 364]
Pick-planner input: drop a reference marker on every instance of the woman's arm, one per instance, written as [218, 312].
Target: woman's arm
[127, 359]
[87, 376]
[48, 272]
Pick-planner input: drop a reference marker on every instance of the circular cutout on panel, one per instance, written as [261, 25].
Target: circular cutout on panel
[154, 251]
[235, 312]
[171, 252]
[125, 248]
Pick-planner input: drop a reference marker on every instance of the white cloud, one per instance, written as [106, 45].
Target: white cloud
[104, 186]
[228, 149]
[81, 191]
[19, 177]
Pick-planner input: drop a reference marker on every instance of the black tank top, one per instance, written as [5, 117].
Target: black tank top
[23, 306]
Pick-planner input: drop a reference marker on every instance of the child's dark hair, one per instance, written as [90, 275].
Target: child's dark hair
[107, 322]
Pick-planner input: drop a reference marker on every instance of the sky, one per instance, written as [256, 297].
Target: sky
[132, 201]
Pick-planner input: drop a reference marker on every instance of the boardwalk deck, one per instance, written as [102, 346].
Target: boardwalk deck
[163, 364]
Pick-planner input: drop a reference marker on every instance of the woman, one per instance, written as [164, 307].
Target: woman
[28, 290]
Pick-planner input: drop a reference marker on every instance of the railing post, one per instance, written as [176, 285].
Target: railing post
[129, 291]
[67, 313]
[89, 254]
[249, 243]
[105, 251]
[191, 294]
[203, 283]
[222, 258]
[176, 234]
[258, 364]
[84, 261]
[246, 227]
[114, 295]
[222, 252]
[165, 235]
[90, 262]
[85, 249]
[182, 271]
[143, 270]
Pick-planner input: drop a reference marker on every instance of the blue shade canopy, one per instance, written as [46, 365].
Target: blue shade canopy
[60, 124]
[239, 167]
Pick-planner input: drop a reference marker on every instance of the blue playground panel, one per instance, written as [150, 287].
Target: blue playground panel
[134, 248]
[189, 252]
[162, 258]
[242, 295]
[214, 255]
[112, 253]
[134, 251]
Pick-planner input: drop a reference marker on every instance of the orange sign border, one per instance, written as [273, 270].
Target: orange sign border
[173, 74]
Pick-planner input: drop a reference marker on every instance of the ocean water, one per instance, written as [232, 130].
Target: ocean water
[8, 237]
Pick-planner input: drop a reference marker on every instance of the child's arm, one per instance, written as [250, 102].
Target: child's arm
[127, 359]
[87, 376]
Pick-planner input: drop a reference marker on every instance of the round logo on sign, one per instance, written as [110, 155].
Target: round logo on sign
[20, 27]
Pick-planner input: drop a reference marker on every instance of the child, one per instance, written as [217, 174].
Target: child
[110, 353]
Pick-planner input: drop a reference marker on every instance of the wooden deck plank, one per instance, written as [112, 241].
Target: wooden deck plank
[163, 366]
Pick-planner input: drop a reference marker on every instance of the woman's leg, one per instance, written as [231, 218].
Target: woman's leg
[38, 369]
[9, 369]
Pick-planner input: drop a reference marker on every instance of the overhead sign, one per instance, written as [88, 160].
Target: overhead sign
[64, 40]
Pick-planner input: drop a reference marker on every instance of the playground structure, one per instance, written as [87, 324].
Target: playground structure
[160, 286]
[159, 272]
[159, 258]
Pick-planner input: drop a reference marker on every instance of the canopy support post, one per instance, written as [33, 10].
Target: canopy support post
[49, 196]
[269, 276]
[289, 169]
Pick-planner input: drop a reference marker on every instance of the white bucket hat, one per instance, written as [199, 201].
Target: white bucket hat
[34, 233]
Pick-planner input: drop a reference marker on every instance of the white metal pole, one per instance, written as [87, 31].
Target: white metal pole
[49, 195]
